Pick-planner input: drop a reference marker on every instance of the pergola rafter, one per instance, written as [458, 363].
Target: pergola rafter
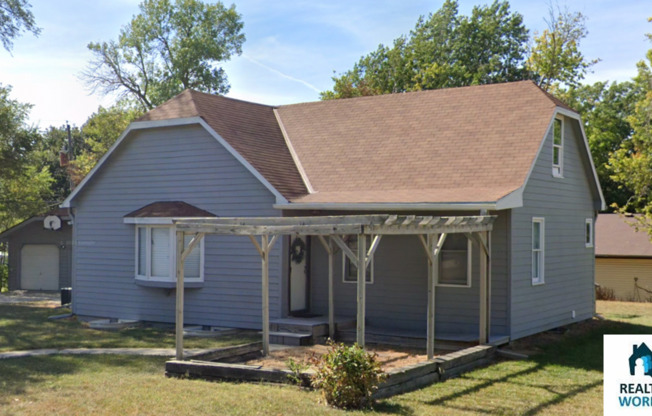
[431, 230]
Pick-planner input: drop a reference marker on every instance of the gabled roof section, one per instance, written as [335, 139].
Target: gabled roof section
[165, 209]
[459, 145]
[59, 212]
[615, 236]
[251, 129]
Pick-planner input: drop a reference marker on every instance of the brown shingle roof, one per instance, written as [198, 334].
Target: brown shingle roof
[251, 129]
[469, 144]
[168, 209]
[615, 237]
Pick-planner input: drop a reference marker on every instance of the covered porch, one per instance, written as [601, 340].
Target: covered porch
[329, 231]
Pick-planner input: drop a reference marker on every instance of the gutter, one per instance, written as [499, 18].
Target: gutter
[391, 206]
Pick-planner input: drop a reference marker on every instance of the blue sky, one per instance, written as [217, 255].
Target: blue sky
[293, 47]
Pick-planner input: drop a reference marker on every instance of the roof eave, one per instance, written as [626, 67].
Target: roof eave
[389, 206]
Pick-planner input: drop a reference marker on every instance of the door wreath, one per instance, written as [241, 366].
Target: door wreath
[297, 250]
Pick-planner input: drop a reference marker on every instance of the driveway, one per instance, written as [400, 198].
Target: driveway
[25, 296]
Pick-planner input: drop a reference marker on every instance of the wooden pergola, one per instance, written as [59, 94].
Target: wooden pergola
[264, 232]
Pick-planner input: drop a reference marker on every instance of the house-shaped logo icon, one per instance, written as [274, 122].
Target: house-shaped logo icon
[643, 353]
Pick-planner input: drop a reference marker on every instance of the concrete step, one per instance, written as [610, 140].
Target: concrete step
[290, 338]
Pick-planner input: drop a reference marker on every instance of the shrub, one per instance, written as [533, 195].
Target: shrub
[347, 376]
[604, 293]
[4, 277]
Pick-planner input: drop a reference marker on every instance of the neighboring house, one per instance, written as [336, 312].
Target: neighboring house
[509, 150]
[623, 258]
[40, 252]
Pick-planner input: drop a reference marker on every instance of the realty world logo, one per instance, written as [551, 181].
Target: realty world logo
[627, 374]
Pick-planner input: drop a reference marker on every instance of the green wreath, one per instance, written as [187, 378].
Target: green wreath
[297, 250]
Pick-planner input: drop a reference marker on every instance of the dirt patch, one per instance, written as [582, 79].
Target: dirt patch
[389, 357]
[36, 298]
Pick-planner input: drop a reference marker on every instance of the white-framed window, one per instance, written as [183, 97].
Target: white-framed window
[156, 255]
[349, 271]
[558, 148]
[455, 261]
[538, 250]
[588, 232]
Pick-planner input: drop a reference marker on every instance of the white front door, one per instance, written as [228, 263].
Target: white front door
[298, 274]
[39, 267]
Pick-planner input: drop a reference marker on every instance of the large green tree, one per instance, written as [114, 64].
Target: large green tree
[556, 59]
[605, 109]
[445, 49]
[168, 47]
[15, 18]
[99, 133]
[631, 164]
[24, 185]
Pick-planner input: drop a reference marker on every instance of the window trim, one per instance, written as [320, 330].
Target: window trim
[469, 267]
[588, 233]
[171, 278]
[558, 169]
[542, 249]
[346, 265]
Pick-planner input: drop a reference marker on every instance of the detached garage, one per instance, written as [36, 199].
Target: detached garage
[623, 258]
[40, 252]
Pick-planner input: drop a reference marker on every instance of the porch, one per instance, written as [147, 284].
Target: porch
[431, 233]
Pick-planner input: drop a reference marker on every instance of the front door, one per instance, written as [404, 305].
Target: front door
[299, 263]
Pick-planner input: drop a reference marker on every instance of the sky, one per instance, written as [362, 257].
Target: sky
[293, 47]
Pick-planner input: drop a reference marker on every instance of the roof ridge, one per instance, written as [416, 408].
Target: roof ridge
[387, 96]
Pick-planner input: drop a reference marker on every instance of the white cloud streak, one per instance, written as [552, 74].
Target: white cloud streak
[279, 73]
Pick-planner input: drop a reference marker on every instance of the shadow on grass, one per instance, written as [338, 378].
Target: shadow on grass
[582, 351]
[19, 374]
[394, 409]
[24, 327]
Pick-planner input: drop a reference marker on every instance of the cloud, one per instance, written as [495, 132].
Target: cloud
[279, 73]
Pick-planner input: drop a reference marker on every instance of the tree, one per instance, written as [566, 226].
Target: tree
[555, 57]
[15, 17]
[444, 50]
[99, 133]
[605, 109]
[631, 164]
[168, 47]
[24, 186]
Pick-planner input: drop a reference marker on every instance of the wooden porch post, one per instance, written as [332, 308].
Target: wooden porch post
[362, 272]
[179, 314]
[432, 271]
[331, 294]
[483, 333]
[265, 264]
[328, 246]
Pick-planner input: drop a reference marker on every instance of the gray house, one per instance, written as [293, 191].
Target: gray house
[40, 252]
[508, 150]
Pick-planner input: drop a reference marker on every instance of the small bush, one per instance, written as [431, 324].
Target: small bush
[297, 368]
[347, 376]
[604, 293]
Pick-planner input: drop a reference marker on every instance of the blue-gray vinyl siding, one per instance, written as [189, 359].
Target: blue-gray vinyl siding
[171, 164]
[397, 298]
[565, 203]
[34, 233]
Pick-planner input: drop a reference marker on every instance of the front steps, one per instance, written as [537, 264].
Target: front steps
[303, 331]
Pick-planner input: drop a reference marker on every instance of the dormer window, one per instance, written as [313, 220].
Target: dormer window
[558, 148]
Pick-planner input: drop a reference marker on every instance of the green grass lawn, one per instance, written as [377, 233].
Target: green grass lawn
[564, 379]
[26, 327]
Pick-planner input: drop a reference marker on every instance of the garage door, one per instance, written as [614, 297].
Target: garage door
[39, 267]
